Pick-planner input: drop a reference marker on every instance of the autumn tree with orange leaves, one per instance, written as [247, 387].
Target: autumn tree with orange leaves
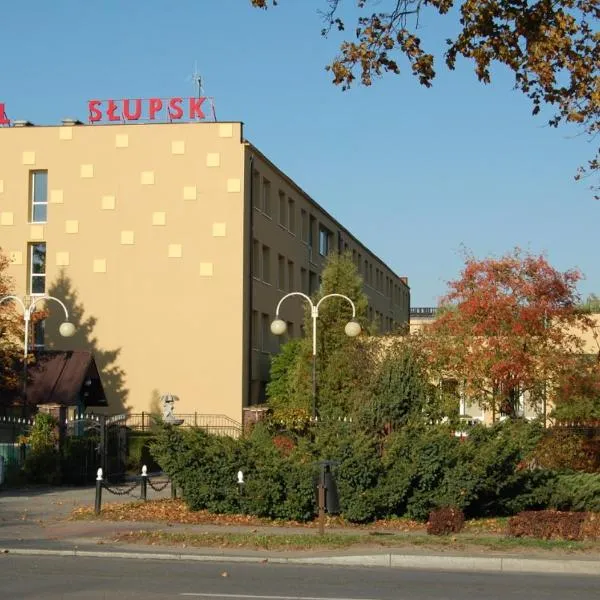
[11, 335]
[508, 326]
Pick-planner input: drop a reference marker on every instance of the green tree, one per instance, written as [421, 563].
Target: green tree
[341, 361]
[552, 48]
[400, 391]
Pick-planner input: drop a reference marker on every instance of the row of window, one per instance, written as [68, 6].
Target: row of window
[318, 238]
[287, 215]
[285, 276]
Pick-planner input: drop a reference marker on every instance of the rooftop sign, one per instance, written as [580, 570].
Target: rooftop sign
[151, 109]
[4, 120]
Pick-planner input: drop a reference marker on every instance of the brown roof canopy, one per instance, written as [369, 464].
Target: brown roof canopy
[67, 378]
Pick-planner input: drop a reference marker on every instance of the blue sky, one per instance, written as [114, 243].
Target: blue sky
[414, 173]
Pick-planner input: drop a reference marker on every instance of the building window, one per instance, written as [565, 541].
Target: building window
[39, 196]
[304, 280]
[39, 330]
[256, 189]
[313, 283]
[37, 268]
[255, 259]
[292, 216]
[280, 272]
[312, 232]
[266, 197]
[282, 209]
[290, 330]
[265, 327]
[266, 264]
[255, 333]
[291, 282]
[324, 237]
[304, 224]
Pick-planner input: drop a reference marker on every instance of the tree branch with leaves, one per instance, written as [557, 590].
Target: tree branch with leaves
[551, 46]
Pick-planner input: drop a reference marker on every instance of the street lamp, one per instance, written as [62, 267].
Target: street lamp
[66, 329]
[279, 327]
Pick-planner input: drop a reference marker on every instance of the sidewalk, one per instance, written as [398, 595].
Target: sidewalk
[36, 521]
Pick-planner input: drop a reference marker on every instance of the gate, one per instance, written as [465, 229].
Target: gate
[13, 451]
[93, 441]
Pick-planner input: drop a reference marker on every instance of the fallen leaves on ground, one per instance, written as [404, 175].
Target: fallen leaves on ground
[175, 511]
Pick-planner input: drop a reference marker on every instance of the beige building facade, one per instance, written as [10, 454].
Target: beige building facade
[171, 245]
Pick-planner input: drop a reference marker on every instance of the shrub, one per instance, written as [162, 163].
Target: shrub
[547, 525]
[138, 452]
[357, 469]
[446, 520]
[42, 464]
[575, 491]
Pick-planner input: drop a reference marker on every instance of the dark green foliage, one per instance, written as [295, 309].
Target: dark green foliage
[412, 472]
[289, 389]
[138, 452]
[79, 459]
[203, 466]
[357, 469]
[399, 391]
[279, 480]
[576, 491]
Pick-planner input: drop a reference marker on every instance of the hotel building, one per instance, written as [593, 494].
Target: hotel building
[171, 244]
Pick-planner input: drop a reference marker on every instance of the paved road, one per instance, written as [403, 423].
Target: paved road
[49, 578]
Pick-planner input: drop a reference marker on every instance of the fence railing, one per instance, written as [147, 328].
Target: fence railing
[215, 424]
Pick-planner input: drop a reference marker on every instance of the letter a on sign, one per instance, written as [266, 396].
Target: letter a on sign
[4, 120]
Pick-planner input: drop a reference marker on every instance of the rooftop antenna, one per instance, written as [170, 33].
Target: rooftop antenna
[196, 80]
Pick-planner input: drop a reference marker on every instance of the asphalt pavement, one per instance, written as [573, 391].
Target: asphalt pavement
[50, 578]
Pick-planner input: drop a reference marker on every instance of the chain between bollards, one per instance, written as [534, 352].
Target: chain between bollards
[98, 502]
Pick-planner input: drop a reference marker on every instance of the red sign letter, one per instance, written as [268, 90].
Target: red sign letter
[95, 112]
[155, 105]
[195, 108]
[4, 120]
[111, 110]
[138, 110]
[175, 110]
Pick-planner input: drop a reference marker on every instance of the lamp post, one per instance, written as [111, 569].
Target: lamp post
[278, 327]
[66, 329]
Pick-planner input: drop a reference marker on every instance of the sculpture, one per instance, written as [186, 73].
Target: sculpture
[168, 408]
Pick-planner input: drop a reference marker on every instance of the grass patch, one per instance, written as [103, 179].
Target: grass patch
[338, 541]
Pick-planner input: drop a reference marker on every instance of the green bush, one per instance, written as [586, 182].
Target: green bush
[138, 452]
[42, 464]
[412, 472]
[576, 492]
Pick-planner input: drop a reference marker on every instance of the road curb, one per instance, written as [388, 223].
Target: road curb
[397, 561]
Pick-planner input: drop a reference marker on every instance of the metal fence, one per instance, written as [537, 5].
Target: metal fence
[215, 424]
